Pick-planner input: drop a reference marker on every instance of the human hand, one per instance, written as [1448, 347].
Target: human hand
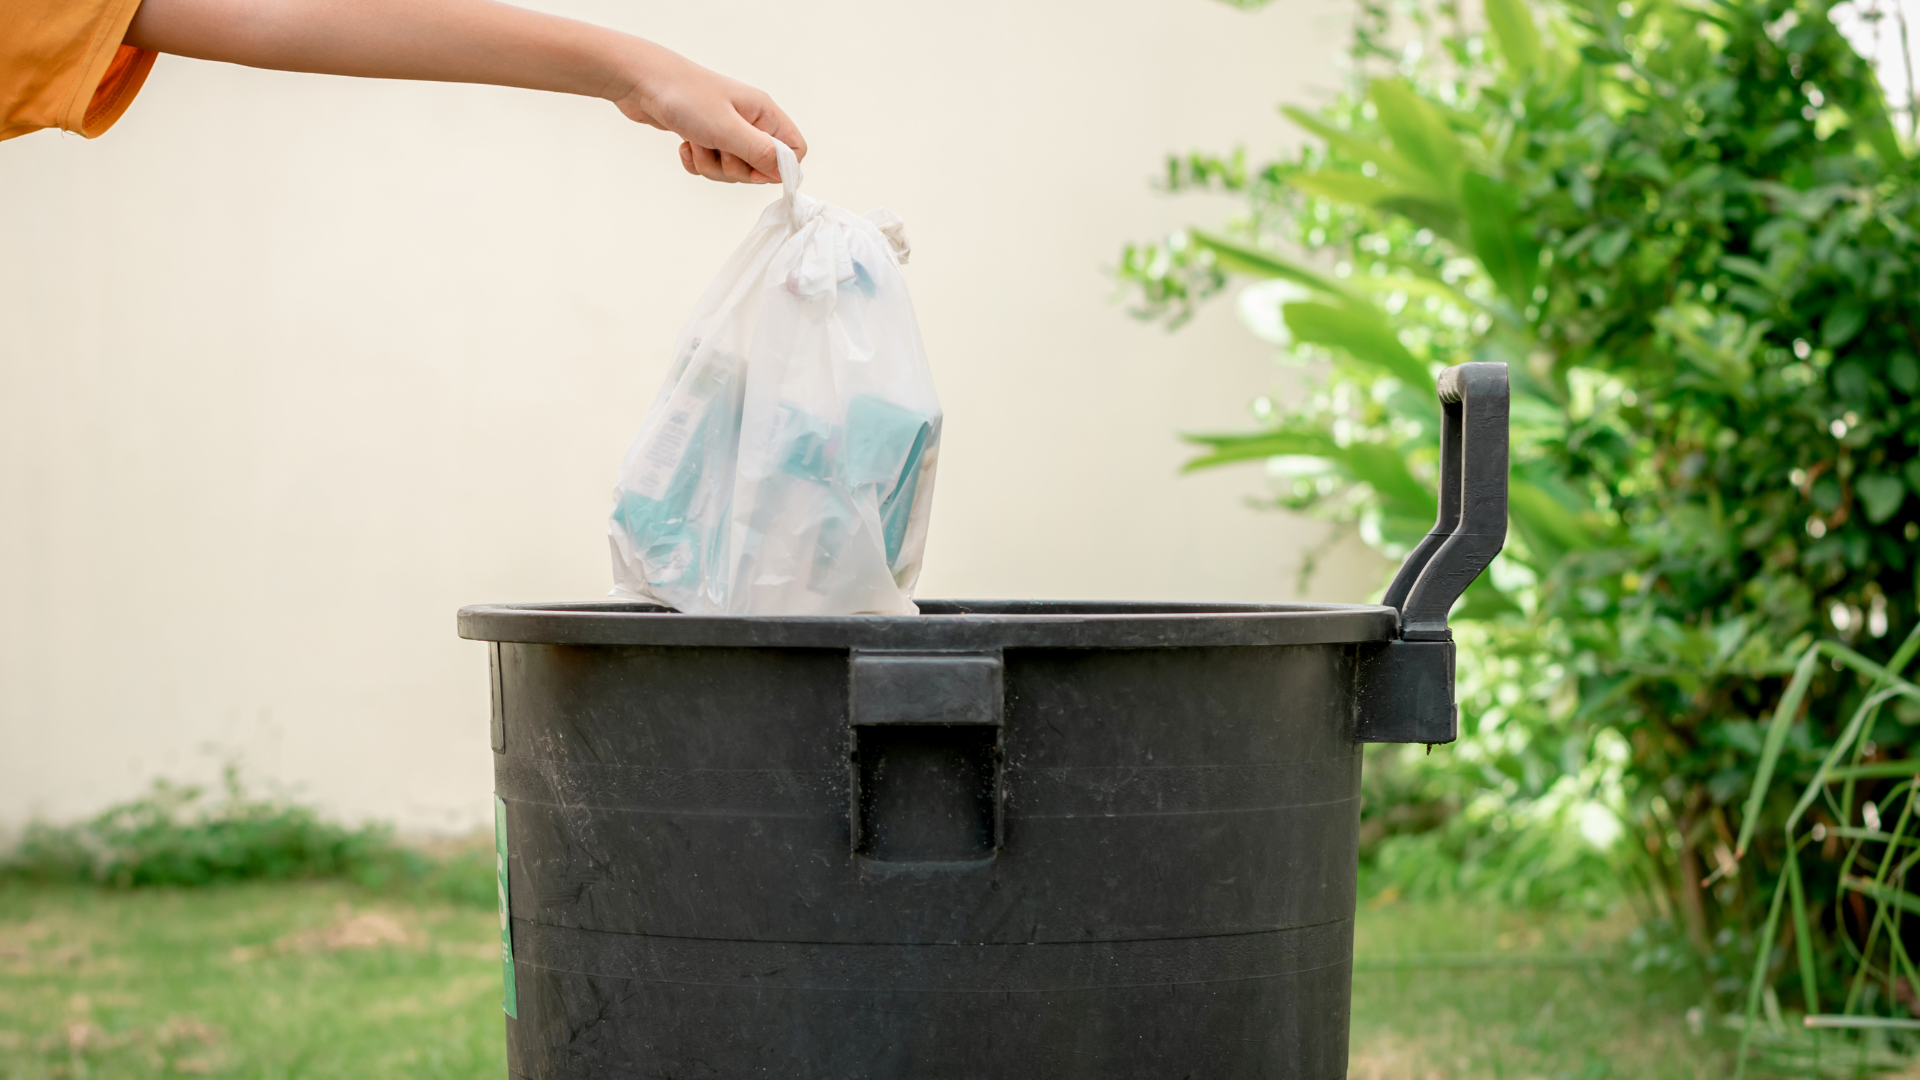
[729, 127]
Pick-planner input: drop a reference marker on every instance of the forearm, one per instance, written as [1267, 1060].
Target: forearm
[729, 127]
[476, 41]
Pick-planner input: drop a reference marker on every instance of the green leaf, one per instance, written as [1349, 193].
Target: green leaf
[1842, 323]
[1385, 469]
[1353, 145]
[1361, 190]
[1501, 239]
[1513, 30]
[1352, 188]
[1649, 165]
[1881, 495]
[1237, 258]
[1442, 218]
[1879, 128]
[1608, 249]
[1382, 467]
[1904, 372]
[1484, 600]
[1358, 189]
[1361, 330]
[1748, 268]
[1757, 300]
[1545, 520]
[1413, 285]
[1420, 134]
[1258, 446]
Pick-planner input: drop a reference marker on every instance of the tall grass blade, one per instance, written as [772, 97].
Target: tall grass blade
[1802, 930]
[1823, 776]
[1885, 1023]
[1776, 740]
[1758, 984]
[1887, 675]
[1878, 770]
[1885, 894]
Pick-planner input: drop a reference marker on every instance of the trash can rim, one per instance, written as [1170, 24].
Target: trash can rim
[942, 625]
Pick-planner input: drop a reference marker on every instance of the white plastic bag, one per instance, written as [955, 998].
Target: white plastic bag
[786, 467]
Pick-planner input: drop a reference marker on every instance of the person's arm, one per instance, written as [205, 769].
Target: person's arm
[729, 127]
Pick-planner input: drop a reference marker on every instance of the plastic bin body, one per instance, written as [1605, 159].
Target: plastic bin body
[996, 840]
[1127, 849]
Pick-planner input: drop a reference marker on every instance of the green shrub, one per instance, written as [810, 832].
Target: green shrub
[176, 835]
[1691, 231]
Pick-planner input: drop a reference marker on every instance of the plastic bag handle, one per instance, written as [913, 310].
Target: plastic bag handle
[1472, 525]
[789, 165]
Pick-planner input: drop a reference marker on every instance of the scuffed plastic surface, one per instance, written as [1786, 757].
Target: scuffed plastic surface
[786, 467]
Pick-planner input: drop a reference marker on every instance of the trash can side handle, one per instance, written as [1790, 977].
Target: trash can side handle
[925, 775]
[1471, 527]
[924, 688]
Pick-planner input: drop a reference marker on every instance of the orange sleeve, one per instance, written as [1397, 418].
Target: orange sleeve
[62, 65]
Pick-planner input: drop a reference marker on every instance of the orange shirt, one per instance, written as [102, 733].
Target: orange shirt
[62, 65]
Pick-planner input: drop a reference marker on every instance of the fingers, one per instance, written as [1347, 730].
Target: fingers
[759, 111]
[756, 149]
[739, 170]
[754, 129]
[719, 165]
[702, 161]
[763, 114]
[746, 154]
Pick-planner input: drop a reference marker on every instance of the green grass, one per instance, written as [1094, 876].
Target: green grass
[330, 979]
[1466, 992]
[314, 980]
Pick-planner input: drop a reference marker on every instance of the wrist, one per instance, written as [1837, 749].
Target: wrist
[632, 69]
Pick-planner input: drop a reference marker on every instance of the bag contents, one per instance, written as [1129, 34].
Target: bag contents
[786, 467]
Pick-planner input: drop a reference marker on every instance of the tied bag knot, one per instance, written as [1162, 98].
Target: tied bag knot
[800, 208]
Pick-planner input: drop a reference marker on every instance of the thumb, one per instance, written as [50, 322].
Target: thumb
[755, 147]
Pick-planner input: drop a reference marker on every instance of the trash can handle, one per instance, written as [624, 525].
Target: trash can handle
[925, 775]
[1472, 524]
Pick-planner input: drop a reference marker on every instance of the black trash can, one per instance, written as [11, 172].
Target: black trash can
[1001, 839]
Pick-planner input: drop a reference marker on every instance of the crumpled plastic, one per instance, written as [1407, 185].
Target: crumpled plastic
[786, 467]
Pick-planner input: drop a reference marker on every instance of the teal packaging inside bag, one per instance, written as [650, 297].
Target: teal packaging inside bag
[885, 444]
[658, 511]
[881, 447]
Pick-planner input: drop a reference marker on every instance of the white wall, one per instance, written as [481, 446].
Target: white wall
[292, 367]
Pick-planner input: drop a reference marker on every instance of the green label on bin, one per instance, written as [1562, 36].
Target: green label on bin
[508, 999]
